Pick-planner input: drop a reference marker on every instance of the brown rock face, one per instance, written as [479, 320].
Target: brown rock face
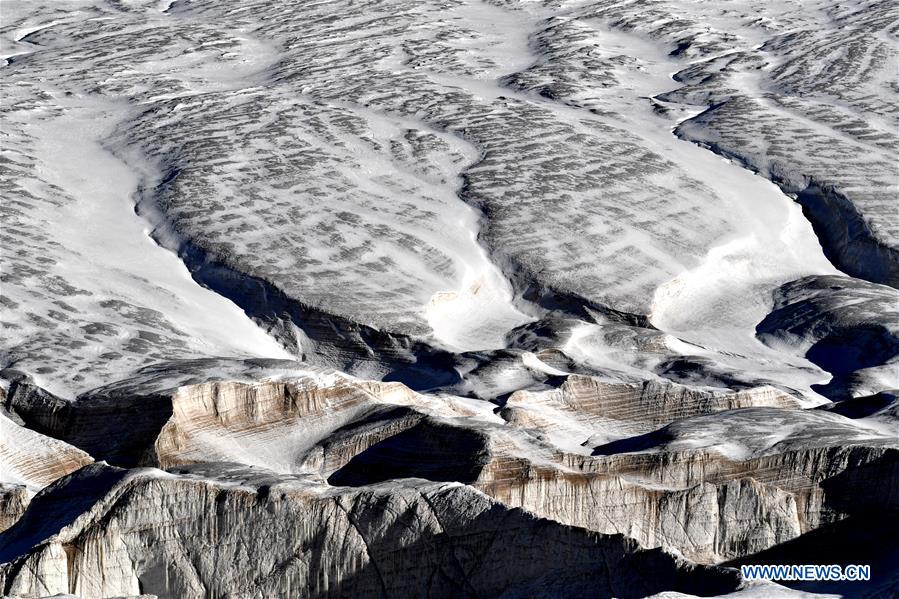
[14, 500]
[30, 461]
[656, 403]
[447, 298]
[174, 536]
[721, 483]
[35, 459]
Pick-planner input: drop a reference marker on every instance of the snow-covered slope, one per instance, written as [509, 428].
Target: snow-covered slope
[609, 262]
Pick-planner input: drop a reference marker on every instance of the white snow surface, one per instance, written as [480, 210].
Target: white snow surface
[422, 170]
[477, 199]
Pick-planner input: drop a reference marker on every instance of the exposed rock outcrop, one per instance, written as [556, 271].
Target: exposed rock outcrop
[261, 423]
[14, 500]
[718, 483]
[650, 403]
[176, 535]
[29, 461]
[446, 297]
[33, 459]
[714, 487]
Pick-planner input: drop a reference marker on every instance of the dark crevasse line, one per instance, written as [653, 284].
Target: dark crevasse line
[849, 244]
[318, 336]
[330, 340]
[344, 344]
[846, 239]
[529, 292]
[312, 334]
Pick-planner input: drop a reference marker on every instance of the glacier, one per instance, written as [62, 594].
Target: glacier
[522, 298]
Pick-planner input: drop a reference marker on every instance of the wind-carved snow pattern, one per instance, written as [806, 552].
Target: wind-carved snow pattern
[372, 276]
